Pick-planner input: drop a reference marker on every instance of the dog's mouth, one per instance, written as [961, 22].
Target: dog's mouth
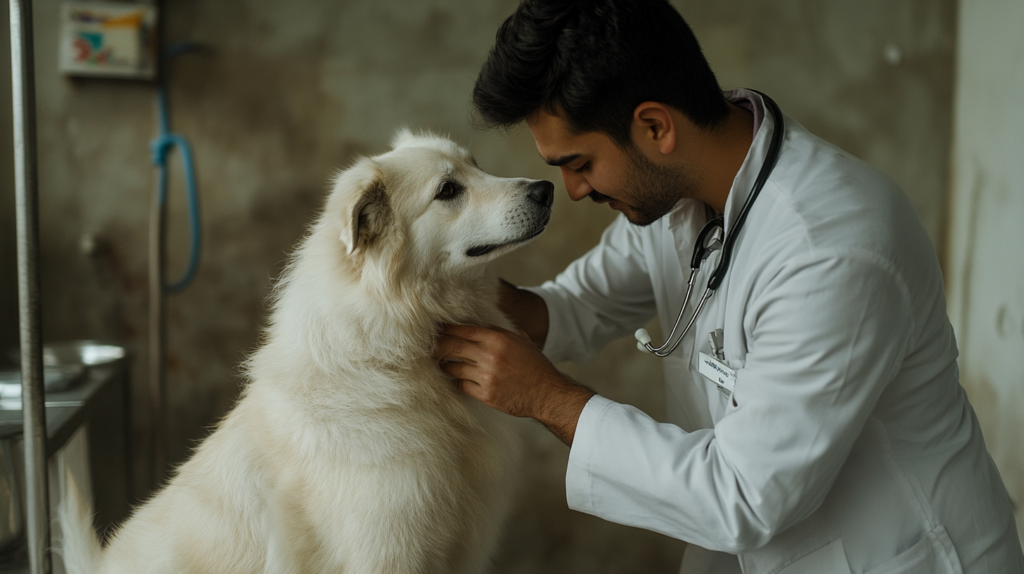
[485, 249]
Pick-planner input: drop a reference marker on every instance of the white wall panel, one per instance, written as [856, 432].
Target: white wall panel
[985, 259]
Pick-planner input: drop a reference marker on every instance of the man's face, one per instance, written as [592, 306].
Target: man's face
[592, 165]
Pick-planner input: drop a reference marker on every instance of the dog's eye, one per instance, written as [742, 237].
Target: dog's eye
[448, 191]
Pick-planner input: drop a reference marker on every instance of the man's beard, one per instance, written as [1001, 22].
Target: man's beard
[652, 189]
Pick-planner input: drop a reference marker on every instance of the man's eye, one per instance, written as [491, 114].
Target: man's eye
[448, 191]
[582, 168]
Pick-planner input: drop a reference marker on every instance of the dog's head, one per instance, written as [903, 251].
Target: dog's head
[425, 207]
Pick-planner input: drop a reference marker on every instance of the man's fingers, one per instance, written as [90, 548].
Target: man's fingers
[503, 331]
[470, 343]
[499, 335]
[478, 334]
[468, 386]
[468, 332]
[458, 369]
[465, 376]
[478, 392]
[481, 361]
[454, 348]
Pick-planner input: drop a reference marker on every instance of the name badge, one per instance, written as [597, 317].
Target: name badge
[717, 373]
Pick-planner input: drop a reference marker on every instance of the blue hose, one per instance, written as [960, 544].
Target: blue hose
[159, 148]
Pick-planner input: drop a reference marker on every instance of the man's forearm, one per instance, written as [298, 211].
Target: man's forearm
[560, 411]
[526, 310]
[561, 399]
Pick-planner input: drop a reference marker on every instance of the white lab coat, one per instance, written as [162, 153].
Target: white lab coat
[848, 444]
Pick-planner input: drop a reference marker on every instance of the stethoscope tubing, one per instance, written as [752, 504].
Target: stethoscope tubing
[770, 159]
[701, 251]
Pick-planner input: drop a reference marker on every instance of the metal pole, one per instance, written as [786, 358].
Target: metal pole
[27, 193]
[157, 346]
[157, 309]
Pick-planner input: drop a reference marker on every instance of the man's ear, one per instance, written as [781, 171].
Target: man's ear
[359, 197]
[654, 126]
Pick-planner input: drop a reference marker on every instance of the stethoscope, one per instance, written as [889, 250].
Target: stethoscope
[710, 239]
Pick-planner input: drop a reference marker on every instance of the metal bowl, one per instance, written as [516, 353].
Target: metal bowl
[84, 352]
[64, 365]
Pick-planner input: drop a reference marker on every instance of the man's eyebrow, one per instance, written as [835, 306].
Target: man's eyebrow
[559, 162]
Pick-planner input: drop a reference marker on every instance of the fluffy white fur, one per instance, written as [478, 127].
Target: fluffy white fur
[350, 450]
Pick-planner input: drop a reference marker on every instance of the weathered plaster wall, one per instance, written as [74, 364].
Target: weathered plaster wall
[985, 270]
[288, 91]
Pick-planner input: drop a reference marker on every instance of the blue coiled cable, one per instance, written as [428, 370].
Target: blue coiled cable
[159, 148]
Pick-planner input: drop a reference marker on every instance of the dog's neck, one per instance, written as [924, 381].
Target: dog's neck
[332, 320]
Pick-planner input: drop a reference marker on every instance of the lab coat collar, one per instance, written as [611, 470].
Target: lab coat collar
[747, 174]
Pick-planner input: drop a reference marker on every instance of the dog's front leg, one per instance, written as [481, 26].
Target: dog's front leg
[291, 547]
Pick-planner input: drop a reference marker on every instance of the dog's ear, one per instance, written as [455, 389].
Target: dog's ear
[360, 198]
[402, 136]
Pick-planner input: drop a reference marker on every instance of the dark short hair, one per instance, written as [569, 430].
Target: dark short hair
[593, 62]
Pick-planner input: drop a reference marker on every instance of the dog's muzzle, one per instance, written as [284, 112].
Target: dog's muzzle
[534, 213]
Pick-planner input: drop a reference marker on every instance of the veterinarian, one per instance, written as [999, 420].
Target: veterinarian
[816, 422]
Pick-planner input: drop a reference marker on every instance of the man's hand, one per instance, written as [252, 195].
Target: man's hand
[527, 311]
[505, 371]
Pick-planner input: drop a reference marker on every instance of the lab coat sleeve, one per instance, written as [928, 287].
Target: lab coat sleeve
[826, 335]
[601, 296]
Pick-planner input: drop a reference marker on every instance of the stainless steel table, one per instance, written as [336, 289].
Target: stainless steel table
[101, 401]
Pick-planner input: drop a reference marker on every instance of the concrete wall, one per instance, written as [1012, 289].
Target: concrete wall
[288, 91]
[985, 270]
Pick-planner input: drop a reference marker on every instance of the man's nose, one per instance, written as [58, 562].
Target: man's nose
[576, 185]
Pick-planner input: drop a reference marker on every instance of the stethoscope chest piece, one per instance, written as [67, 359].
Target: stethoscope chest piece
[708, 241]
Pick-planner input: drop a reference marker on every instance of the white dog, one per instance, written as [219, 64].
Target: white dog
[350, 451]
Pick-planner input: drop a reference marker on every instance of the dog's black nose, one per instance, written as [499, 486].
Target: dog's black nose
[541, 192]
